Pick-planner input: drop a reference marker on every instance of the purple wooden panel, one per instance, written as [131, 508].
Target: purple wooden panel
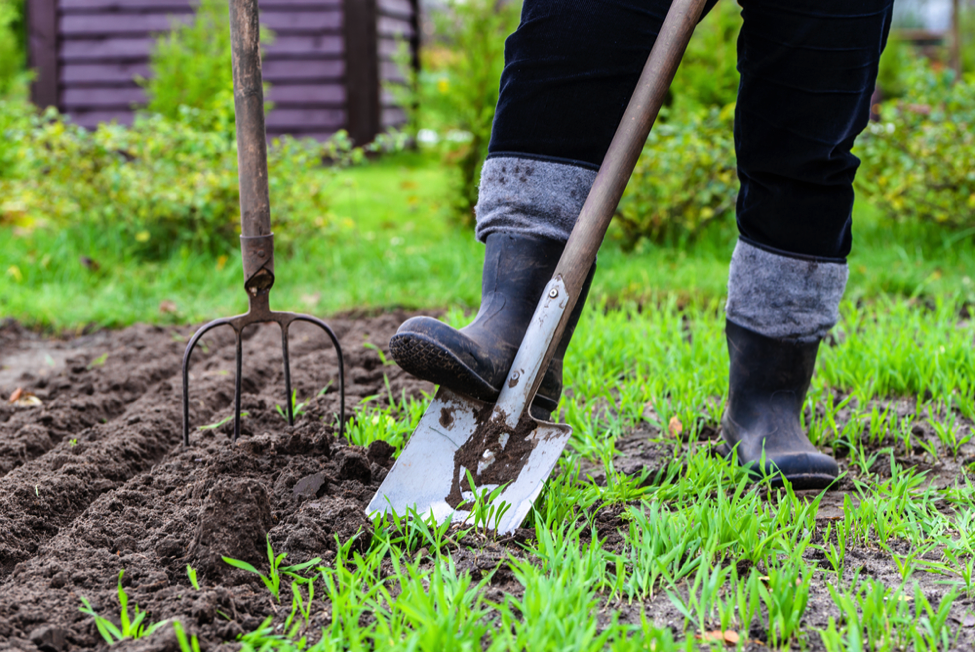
[106, 49]
[98, 98]
[387, 26]
[137, 6]
[123, 6]
[284, 22]
[42, 35]
[301, 3]
[307, 94]
[280, 71]
[397, 8]
[387, 47]
[311, 119]
[393, 116]
[80, 25]
[90, 119]
[126, 48]
[105, 24]
[275, 72]
[320, 136]
[104, 74]
[304, 46]
[389, 71]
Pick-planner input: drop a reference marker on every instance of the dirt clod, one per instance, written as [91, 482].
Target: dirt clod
[234, 522]
[312, 486]
[49, 638]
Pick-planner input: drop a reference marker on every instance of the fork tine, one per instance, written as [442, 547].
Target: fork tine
[240, 354]
[287, 372]
[186, 372]
[338, 354]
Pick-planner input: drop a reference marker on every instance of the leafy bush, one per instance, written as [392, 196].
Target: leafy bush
[894, 64]
[708, 73]
[917, 161]
[169, 181]
[458, 88]
[12, 44]
[191, 67]
[161, 184]
[685, 178]
[14, 115]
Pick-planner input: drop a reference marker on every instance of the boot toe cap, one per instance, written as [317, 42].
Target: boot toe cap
[436, 352]
[805, 470]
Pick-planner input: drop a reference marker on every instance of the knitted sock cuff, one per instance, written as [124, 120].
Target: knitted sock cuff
[784, 297]
[530, 196]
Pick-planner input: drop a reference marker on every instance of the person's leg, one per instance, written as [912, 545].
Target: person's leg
[570, 69]
[808, 70]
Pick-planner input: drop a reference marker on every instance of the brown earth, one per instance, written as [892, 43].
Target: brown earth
[94, 479]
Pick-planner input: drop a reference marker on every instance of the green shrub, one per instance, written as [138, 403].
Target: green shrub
[917, 161]
[15, 114]
[191, 67]
[12, 44]
[708, 72]
[161, 185]
[459, 88]
[685, 178]
[894, 65]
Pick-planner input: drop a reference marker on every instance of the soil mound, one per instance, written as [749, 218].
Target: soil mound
[94, 479]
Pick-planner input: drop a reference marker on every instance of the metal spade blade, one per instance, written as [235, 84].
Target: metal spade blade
[452, 438]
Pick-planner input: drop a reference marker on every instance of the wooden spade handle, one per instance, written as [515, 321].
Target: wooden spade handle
[614, 173]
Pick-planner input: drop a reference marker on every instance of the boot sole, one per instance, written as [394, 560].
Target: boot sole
[799, 480]
[427, 359]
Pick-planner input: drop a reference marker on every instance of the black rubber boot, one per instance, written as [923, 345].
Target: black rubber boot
[767, 386]
[475, 359]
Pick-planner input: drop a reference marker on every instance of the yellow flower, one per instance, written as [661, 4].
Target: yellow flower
[142, 236]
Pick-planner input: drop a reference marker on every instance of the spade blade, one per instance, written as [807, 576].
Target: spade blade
[456, 436]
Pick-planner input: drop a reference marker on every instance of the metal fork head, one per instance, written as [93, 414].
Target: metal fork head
[259, 311]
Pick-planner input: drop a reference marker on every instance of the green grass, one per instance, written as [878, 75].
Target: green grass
[698, 542]
[392, 242]
[894, 398]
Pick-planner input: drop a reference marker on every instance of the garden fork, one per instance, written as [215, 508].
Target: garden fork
[256, 239]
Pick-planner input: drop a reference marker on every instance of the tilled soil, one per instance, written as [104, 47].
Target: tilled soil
[95, 478]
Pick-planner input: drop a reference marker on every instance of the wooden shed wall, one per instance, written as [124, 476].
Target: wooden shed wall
[325, 65]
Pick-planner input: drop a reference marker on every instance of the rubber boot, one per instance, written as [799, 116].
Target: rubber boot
[475, 360]
[767, 386]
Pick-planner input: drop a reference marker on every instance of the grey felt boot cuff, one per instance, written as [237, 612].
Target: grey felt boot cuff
[784, 297]
[535, 198]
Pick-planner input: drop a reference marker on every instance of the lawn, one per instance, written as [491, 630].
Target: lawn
[391, 241]
[642, 538]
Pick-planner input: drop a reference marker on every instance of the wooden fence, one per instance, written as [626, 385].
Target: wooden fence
[325, 66]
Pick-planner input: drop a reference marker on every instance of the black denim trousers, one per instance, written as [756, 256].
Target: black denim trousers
[808, 69]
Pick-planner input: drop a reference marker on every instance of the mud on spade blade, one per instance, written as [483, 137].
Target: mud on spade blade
[456, 435]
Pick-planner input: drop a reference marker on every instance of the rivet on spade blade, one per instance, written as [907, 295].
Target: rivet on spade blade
[553, 293]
